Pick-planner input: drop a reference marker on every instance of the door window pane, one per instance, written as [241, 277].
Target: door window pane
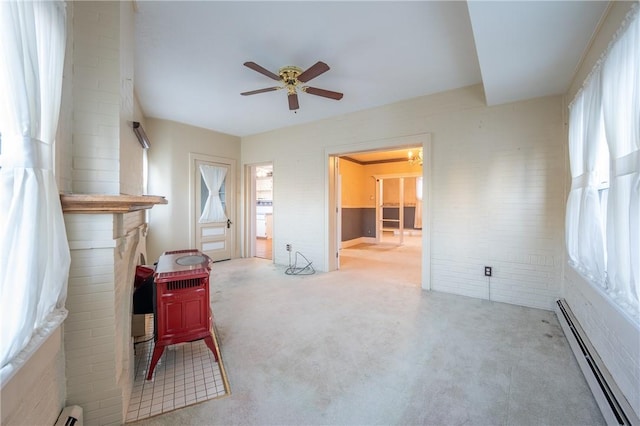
[223, 196]
[204, 194]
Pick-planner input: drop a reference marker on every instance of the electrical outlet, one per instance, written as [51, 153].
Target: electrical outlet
[487, 271]
[288, 246]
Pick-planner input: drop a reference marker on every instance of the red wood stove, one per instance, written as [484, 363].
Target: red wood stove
[181, 296]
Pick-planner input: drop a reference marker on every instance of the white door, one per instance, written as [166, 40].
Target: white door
[213, 207]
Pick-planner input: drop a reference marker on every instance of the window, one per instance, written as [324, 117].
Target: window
[603, 208]
[213, 191]
[602, 181]
[34, 253]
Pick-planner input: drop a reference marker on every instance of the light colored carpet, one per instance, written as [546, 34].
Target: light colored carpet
[365, 345]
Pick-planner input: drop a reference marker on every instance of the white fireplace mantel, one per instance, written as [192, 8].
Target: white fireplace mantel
[106, 235]
[104, 203]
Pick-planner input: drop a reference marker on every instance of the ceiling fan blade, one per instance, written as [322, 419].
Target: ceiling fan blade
[313, 72]
[262, 70]
[293, 101]
[324, 93]
[255, 92]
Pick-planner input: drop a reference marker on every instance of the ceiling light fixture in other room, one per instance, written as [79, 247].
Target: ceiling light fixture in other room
[415, 158]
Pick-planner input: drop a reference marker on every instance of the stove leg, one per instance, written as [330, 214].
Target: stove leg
[157, 353]
[209, 341]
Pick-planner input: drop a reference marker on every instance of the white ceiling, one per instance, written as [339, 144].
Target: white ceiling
[190, 55]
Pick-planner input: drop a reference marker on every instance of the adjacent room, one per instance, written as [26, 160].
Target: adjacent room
[264, 211]
[380, 211]
[312, 212]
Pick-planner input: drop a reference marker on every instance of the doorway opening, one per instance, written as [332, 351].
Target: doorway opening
[375, 198]
[258, 241]
[264, 211]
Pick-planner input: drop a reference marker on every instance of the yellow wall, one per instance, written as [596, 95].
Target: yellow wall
[359, 184]
[353, 185]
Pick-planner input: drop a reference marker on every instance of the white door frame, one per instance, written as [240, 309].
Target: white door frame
[249, 247]
[330, 221]
[338, 211]
[230, 195]
[333, 189]
[250, 198]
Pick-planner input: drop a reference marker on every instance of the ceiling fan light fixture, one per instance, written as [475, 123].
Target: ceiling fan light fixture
[290, 73]
[290, 77]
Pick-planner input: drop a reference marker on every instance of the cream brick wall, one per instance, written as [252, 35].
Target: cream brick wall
[131, 152]
[98, 343]
[90, 327]
[36, 393]
[96, 98]
[497, 200]
[107, 159]
[613, 335]
[130, 243]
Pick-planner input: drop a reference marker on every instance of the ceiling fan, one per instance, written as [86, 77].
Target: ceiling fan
[291, 78]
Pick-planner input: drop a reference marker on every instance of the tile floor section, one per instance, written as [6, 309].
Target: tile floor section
[186, 374]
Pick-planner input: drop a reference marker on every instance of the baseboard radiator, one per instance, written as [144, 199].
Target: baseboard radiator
[70, 416]
[612, 403]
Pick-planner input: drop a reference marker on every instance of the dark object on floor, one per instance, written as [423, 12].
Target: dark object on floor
[143, 293]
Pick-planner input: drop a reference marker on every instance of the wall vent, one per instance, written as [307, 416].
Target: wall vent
[612, 403]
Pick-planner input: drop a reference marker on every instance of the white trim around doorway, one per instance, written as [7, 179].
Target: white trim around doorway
[330, 220]
[249, 209]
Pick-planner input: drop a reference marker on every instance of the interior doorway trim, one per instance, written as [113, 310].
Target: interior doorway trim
[331, 212]
[249, 211]
[249, 234]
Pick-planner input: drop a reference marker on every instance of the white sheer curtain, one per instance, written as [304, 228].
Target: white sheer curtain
[584, 223]
[621, 109]
[417, 221]
[213, 178]
[34, 253]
